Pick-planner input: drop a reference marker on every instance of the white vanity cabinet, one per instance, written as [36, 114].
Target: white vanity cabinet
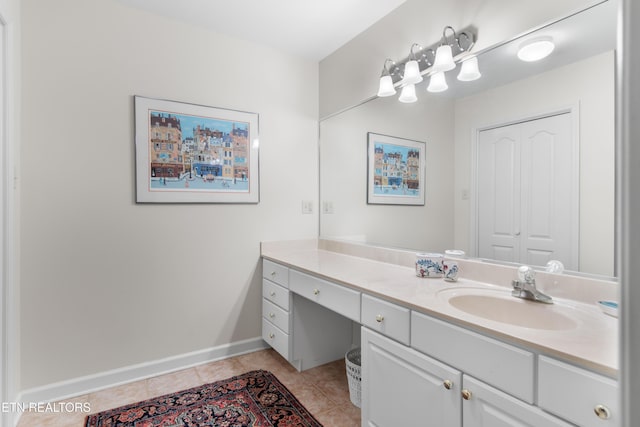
[486, 406]
[506, 367]
[421, 370]
[306, 319]
[276, 307]
[402, 387]
[580, 396]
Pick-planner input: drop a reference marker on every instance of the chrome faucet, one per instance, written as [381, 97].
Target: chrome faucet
[525, 287]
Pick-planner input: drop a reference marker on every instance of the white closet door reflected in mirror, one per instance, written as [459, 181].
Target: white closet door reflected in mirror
[528, 192]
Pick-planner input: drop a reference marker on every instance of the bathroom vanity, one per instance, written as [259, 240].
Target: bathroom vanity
[429, 360]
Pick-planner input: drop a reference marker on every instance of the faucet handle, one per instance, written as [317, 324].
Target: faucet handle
[526, 274]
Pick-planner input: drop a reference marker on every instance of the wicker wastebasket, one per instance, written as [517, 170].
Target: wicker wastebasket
[352, 359]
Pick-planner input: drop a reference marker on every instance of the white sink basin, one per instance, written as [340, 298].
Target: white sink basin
[499, 305]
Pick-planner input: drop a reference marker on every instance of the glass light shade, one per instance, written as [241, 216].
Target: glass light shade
[444, 59]
[438, 83]
[386, 86]
[469, 70]
[408, 94]
[536, 49]
[411, 73]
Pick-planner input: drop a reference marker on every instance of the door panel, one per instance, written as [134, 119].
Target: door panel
[489, 407]
[402, 387]
[498, 183]
[547, 191]
[527, 192]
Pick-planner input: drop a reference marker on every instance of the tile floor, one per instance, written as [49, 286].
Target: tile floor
[323, 390]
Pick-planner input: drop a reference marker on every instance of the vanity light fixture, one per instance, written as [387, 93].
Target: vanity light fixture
[433, 60]
[536, 49]
[444, 54]
[412, 68]
[408, 94]
[386, 87]
[469, 70]
[438, 82]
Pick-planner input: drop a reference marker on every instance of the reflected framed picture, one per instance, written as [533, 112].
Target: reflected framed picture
[396, 170]
[188, 153]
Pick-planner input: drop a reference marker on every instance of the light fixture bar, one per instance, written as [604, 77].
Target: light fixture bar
[425, 56]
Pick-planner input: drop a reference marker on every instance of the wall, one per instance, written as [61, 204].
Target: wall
[343, 176]
[351, 74]
[107, 283]
[571, 85]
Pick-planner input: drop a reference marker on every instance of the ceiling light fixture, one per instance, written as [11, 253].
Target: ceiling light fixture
[434, 60]
[536, 49]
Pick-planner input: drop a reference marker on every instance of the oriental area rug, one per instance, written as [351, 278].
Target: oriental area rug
[254, 399]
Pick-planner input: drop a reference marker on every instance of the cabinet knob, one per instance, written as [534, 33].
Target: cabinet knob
[272, 335]
[272, 315]
[466, 394]
[448, 384]
[273, 294]
[316, 291]
[602, 412]
[379, 318]
[273, 274]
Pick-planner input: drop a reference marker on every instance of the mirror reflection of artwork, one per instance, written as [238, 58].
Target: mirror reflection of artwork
[396, 170]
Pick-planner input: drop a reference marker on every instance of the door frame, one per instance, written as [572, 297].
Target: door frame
[9, 340]
[574, 111]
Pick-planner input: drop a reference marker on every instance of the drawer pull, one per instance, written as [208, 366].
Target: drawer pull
[272, 335]
[379, 318]
[448, 384]
[316, 291]
[272, 315]
[272, 293]
[466, 394]
[273, 274]
[602, 412]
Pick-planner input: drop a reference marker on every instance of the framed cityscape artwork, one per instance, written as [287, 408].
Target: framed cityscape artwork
[187, 153]
[396, 170]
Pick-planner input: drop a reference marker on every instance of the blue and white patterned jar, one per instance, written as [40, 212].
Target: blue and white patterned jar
[450, 269]
[429, 265]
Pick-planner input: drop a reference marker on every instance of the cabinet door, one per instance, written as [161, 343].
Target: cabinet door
[486, 406]
[401, 387]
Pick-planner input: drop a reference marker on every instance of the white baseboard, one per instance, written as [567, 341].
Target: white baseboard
[90, 383]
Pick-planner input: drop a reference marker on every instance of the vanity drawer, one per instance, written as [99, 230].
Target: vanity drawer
[576, 394]
[501, 365]
[276, 294]
[386, 318]
[275, 272]
[275, 315]
[276, 338]
[337, 298]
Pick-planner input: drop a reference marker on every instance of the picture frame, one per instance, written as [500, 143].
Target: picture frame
[189, 153]
[396, 170]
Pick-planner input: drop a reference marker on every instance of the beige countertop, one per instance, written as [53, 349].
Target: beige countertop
[592, 342]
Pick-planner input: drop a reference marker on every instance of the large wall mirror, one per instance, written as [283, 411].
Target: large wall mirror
[494, 183]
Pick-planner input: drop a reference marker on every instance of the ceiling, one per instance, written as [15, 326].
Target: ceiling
[311, 29]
